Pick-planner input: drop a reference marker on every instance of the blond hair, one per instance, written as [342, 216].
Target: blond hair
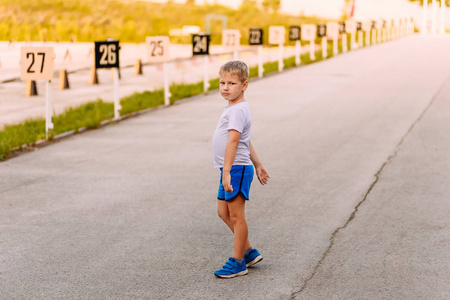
[235, 67]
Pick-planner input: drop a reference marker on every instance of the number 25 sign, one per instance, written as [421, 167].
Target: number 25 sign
[36, 63]
[107, 54]
[158, 48]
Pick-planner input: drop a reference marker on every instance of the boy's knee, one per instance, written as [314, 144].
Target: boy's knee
[223, 214]
[236, 217]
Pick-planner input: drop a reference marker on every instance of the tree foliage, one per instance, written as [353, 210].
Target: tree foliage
[271, 5]
[128, 21]
[446, 2]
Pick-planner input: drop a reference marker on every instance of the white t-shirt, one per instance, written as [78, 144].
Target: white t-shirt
[235, 117]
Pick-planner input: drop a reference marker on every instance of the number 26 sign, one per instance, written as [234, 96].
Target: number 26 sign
[107, 54]
[36, 63]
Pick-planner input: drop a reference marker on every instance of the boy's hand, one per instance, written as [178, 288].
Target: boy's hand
[262, 175]
[226, 182]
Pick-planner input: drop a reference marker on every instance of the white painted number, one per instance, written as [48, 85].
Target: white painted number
[200, 44]
[294, 33]
[108, 52]
[255, 37]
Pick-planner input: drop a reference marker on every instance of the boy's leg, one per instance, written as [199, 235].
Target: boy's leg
[224, 214]
[236, 209]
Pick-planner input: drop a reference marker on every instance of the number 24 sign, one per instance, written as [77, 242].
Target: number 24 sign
[158, 48]
[36, 63]
[200, 44]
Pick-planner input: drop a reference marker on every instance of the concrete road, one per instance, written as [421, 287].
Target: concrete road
[357, 207]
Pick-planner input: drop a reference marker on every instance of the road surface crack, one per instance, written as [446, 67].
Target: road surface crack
[377, 176]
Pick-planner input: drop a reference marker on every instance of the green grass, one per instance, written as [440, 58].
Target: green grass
[15, 136]
[253, 72]
[214, 84]
[270, 67]
[140, 101]
[88, 116]
[179, 92]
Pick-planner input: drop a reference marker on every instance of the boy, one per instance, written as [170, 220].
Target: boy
[234, 154]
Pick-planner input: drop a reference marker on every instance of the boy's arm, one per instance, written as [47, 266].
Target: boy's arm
[230, 154]
[261, 172]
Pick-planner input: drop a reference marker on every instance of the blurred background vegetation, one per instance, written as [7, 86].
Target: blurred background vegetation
[131, 20]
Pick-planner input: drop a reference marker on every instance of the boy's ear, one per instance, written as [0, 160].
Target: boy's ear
[245, 85]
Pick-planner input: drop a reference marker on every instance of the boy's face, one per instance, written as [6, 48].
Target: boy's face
[231, 87]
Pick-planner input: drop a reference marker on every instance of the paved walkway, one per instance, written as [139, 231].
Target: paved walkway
[357, 208]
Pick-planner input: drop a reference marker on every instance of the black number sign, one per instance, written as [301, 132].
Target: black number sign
[107, 54]
[200, 44]
[359, 26]
[341, 27]
[321, 30]
[294, 33]
[256, 36]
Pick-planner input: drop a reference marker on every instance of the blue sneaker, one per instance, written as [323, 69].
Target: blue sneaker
[252, 258]
[232, 269]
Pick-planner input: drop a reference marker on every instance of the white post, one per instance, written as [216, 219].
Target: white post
[442, 26]
[48, 108]
[335, 46]
[374, 36]
[117, 106]
[205, 74]
[367, 38]
[260, 62]
[433, 17]
[235, 55]
[324, 47]
[424, 28]
[312, 50]
[298, 52]
[379, 35]
[280, 58]
[344, 42]
[166, 84]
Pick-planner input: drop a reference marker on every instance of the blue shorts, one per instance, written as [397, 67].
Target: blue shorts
[241, 179]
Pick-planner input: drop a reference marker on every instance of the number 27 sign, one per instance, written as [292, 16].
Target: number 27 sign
[36, 63]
